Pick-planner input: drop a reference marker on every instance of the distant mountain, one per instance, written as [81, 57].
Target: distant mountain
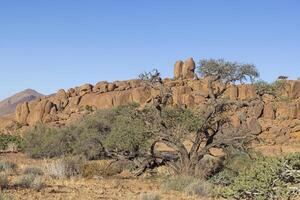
[8, 106]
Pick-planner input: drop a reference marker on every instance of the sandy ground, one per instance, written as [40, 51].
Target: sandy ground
[117, 188]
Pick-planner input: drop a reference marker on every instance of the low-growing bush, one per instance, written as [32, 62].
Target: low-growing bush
[7, 141]
[233, 165]
[83, 138]
[30, 181]
[7, 166]
[5, 197]
[150, 196]
[103, 168]
[190, 185]
[34, 171]
[3, 180]
[65, 168]
[179, 183]
[267, 178]
[200, 188]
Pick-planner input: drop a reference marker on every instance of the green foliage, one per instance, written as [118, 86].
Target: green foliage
[266, 178]
[5, 197]
[7, 166]
[30, 181]
[122, 130]
[34, 171]
[83, 138]
[5, 140]
[42, 141]
[227, 71]
[232, 166]
[277, 88]
[3, 180]
[129, 132]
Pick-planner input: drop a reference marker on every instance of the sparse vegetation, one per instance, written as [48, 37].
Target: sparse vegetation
[190, 185]
[7, 141]
[150, 196]
[66, 167]
[34, 171]
[278, 89]
[3, 180]
[6, 197]
[7, 166]
[30, 181]
[103, 168]
[265, 178]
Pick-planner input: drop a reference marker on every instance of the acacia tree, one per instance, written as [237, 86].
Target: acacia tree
[207, 125]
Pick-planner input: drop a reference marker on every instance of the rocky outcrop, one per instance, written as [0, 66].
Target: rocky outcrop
[269, 119]
[185, 70]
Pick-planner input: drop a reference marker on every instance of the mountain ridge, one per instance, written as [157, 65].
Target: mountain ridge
[8, 105]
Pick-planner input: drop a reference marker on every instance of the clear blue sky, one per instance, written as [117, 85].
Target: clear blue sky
[52, 44]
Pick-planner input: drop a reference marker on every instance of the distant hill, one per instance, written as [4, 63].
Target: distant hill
[8, 106]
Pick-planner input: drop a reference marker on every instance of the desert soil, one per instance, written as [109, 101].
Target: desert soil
[117, 188]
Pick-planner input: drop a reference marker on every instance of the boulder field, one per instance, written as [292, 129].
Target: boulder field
[270, 118]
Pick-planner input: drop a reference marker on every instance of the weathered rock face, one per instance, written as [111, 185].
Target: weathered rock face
[187, 91]
[178, 69]
[185, 70]
[188, 69]
[295, 89]
[22, 111]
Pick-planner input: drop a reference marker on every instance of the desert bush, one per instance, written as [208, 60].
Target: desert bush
[128, 131]
[7, 141]
[179, 183]
[190, 185]
[7, 166]
[278, 88]
[42, 141]
[65, 167]
[267, 178]
[234, 164]
[5, 197]
[73, 165]
[150, 196]
[103, 168]
[83, 138]
[208, 166]
[30, 181]
[199, 188]
[3, 180]
[33, 170]
[119, 129]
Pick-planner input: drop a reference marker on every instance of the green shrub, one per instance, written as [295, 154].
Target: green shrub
[33, 170]
[279, 89]
[30, 181]
[5, 197]
[267, 178]
[7, 166]
[3, 180]
[83, 138]
[233, 165]
[120, 129]
[6, 140]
